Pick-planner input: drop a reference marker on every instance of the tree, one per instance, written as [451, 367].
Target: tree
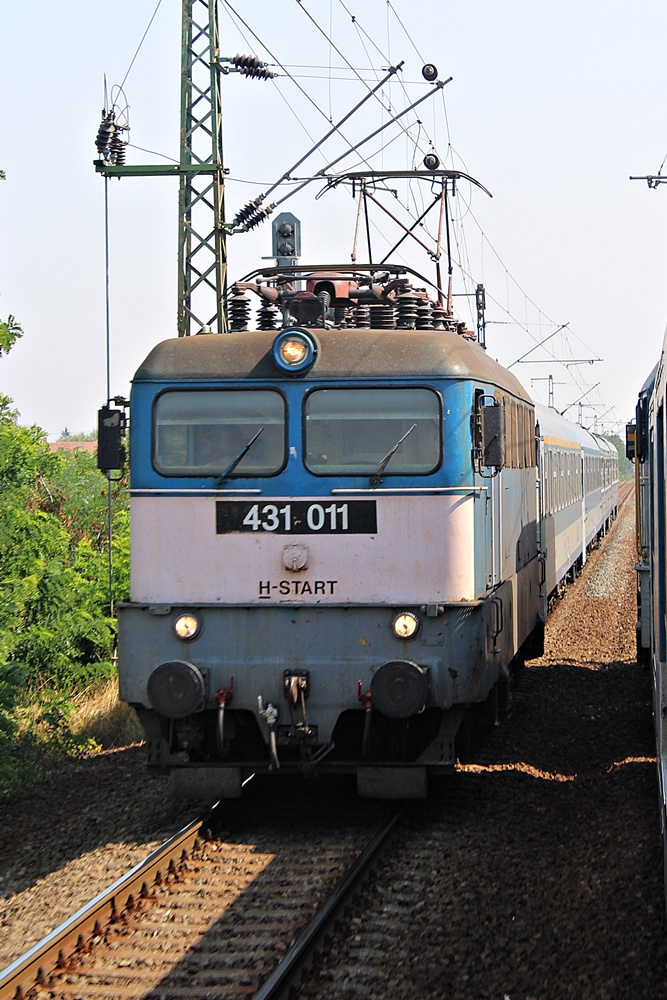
[625, 468]
[52, 604]
[11, 330]
[56, 636]
[9, 334]
[67, 435]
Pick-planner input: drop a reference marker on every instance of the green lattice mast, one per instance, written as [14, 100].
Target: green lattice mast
[202, 254]
[202, 251]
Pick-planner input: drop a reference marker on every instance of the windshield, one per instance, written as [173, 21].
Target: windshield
[350, 432]
[199, 433]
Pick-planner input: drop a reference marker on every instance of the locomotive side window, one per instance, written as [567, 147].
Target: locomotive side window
[201, 433]
[350, 432]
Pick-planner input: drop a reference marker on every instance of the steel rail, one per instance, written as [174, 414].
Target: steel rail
[277, 986]
[34, 966]
[625, 491]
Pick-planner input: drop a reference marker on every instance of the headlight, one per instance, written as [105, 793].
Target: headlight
[294, 350]
[405, 625]
[187, 627]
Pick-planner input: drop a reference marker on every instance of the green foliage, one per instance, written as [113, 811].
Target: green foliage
[10, 332]
[40, 738]
[12, 679]
[56, 635]
[625, 467]
[66, 435]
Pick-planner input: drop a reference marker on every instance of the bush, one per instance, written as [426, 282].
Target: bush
[56, 633]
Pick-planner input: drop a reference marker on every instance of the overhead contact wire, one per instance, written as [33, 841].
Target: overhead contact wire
[284, 69]
[407, 33]
[359, 28]
[346, 61]
[143, 39]
[385, 55]
[277, 61]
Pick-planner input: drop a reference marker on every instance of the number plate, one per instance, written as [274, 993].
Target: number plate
[297, 517]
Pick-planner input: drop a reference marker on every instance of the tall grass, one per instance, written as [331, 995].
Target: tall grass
[99, 716]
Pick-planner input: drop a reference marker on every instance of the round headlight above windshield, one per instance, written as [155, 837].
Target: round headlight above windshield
[187, 627]
[294, 350]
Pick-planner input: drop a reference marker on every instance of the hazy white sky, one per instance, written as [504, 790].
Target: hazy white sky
[553, 104]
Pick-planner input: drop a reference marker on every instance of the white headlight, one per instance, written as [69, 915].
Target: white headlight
[187, 626]
[405, 625]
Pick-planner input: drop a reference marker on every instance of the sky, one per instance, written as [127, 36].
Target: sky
[552, 106]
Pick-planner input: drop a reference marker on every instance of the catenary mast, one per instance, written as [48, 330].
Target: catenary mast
[202, 254]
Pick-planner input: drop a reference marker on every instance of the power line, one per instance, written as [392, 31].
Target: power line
[143, 38]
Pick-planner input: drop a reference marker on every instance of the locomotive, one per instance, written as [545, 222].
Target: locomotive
[346, 525]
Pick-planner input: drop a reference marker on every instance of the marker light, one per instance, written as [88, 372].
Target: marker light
[187, 627]
[405, 625]
[294, 350]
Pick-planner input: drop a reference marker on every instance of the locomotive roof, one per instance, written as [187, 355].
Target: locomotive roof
[348, 353]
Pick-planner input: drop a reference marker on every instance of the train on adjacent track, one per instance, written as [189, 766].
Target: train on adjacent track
[646, 446]
[346, 525]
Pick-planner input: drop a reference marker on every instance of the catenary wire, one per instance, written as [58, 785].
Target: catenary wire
[143, 38]
[234, 14]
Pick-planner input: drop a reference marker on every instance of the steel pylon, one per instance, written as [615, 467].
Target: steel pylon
[202, 253]
[202, 256]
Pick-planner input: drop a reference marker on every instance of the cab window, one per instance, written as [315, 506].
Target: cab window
[350, 432]
[200, 433]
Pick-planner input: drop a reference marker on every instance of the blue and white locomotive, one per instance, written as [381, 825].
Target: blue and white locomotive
[340, 539]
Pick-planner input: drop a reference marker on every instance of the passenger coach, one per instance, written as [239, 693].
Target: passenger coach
[579, 479]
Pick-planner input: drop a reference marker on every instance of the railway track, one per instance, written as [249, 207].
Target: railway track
[201, 914]
[52, 952]
[625, 491]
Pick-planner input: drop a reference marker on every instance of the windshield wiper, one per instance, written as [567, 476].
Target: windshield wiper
[375, 478]
[232, 465]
